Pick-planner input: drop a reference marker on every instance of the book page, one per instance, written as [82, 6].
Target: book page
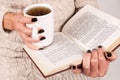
[61, 49]
[57, 56]
[91, 27]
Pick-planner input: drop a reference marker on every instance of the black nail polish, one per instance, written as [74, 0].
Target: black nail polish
[109, 54]
[99, 46]
[89, 51]
[79, 66]
[40, 48]
[34, 19]
[41, 31]
[42, 38]
[73, 67]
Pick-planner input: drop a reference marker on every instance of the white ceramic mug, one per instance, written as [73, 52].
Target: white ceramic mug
[45, 22]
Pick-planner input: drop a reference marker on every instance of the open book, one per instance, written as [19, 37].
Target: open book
[87, 29]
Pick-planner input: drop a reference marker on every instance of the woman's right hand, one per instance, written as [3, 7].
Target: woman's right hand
[17, 22]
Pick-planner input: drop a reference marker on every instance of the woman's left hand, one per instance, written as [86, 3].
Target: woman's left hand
[95, 63]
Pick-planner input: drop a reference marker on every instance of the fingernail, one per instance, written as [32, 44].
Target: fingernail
[40, 48]
[99, 46]
[79, 66]
[109, 54]
[41, 31]
[34, 19]
[42, 38]
[89, 51]
[73, 67]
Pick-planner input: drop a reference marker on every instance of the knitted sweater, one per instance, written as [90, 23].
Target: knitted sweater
[14, 63]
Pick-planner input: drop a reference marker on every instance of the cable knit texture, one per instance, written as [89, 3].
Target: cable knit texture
[14, 63]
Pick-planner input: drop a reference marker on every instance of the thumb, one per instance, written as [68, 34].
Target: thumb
[110, 56]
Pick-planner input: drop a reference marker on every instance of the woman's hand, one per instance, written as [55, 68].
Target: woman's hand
[16, 21]
[95, 63]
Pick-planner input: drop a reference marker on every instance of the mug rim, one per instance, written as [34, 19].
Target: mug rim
[36, 5]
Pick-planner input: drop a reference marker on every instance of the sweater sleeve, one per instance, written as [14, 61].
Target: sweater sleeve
[3, 10]
[81, 3]
[2, 13]
[5, 6]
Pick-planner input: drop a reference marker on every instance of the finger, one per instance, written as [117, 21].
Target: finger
[104, 69]
[110, 56]
[94, 63]
[76, 68]
[26, 30]
[86, 63]
[102, 61]
[27, 38]
[27, 20]
[31, 46]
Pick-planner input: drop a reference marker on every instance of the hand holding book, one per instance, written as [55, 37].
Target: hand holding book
[95, 63]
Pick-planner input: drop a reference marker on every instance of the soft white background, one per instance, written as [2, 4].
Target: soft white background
[112, 7]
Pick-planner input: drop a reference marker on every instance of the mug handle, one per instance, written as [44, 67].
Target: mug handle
[35, 35]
